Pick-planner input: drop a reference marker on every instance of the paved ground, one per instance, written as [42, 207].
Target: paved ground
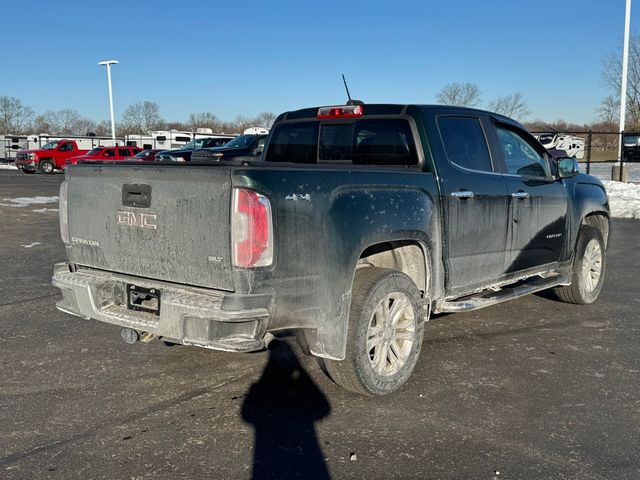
[531, 389]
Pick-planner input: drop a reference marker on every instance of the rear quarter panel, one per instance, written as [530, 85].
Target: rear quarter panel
[323, 220]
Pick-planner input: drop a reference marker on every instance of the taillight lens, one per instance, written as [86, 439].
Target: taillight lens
[251, 229]
[63, 213]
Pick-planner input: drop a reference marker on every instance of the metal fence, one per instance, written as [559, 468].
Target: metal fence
[599, 153]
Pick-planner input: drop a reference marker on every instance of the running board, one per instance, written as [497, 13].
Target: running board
[488, 298]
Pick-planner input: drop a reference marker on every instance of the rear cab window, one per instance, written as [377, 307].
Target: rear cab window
[364, 141]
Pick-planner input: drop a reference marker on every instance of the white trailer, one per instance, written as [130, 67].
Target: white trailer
[170, 139]
[573, 145]
[11, 144]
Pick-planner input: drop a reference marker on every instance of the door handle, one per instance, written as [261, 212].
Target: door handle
[520, 194]
[462, 194]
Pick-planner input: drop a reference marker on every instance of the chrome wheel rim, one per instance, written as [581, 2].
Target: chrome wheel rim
[47, 167]
[592, 265]
[391, 334]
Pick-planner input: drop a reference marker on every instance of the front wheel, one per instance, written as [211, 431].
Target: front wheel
[588, 268]
[46, 166]
[384, 333]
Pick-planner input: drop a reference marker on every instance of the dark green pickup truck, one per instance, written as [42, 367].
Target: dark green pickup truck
[357, 223]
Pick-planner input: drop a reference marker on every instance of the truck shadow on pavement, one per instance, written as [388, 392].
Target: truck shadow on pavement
[283, 406]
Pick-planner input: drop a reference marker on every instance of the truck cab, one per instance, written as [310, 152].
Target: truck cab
[52, 156]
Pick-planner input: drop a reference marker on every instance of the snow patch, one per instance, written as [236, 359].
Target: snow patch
[26, 201]
[45, 210]
[31, 245]
[7, 166]
[624, 199]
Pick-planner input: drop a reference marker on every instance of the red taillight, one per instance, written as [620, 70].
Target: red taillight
[251, 229]
[342, 111]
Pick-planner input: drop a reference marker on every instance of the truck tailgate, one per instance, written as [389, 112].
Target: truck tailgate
[180, 233]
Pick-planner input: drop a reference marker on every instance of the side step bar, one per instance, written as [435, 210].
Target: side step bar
[488, 298]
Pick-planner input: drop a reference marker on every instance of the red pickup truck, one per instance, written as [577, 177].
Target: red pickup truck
[48, 158]
[105, 153]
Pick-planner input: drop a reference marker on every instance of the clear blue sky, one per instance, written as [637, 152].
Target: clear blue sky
[246, 57]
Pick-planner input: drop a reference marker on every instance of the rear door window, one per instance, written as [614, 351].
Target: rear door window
[123, 152]
[464, 142]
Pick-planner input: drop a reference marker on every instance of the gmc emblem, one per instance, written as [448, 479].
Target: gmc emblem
[140, 220]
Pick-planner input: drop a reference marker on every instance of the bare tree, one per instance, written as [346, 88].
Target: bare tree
[46, 123]
[609, 109]
[238, 124]
[459, 94]
[15, 117]
[103, 128]
[202, 120]
[513, 106]
[63, 122]
[611, 77]
[83, 126]
[608, 113]
[175, 125]
[141, 117]
[67, 121]
[265, 119]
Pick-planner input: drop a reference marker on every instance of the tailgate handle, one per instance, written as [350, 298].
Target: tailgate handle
[136, 195]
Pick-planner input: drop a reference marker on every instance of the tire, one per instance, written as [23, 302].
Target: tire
[380, 356]
[588, 268]
[46, 166]
[29, 172]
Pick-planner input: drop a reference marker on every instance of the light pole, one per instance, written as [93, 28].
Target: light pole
[108, 63]
[623, 83]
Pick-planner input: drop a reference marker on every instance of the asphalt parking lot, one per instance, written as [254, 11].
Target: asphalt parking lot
[532, 388]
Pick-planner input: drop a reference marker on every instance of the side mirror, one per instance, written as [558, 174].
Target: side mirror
[568, 167]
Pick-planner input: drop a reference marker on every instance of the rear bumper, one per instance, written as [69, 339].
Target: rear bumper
[188, 315]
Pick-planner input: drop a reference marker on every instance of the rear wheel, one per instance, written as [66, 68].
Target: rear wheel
[384, 334]
[588, 268]
[46, 166]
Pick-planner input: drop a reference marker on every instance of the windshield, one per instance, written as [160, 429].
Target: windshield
[95, 151]
[142, 154]
[243, 141]
[194, 144]
[50, 146]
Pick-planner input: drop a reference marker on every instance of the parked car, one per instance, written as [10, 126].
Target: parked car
[50, 157]
[184, 154]
[105, 154]
[358, 223]
[250, 145]
[146, 155]
[631, 148]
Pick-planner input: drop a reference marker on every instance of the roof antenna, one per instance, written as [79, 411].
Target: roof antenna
[350, 102]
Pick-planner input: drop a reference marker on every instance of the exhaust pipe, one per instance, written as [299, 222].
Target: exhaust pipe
[129, 335]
